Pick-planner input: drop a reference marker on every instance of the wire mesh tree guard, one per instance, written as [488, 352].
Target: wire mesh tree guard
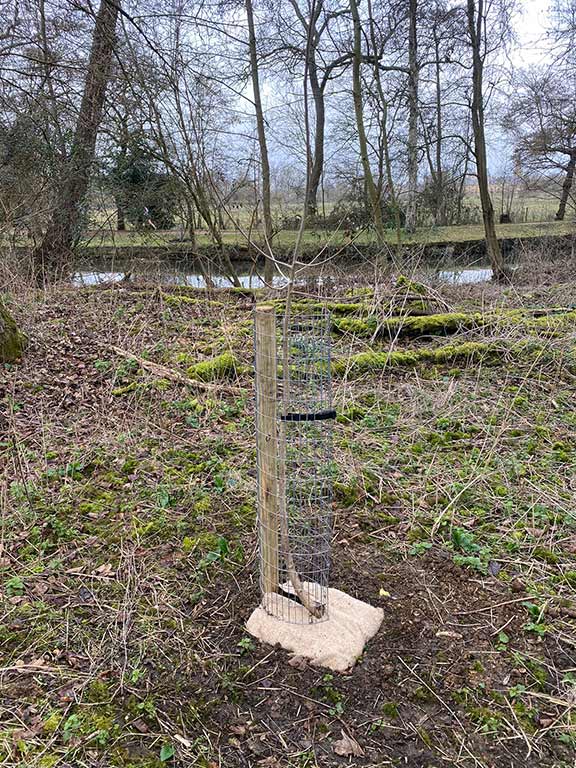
[294, 418]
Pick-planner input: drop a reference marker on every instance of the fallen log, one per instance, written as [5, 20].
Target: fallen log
[169, 373]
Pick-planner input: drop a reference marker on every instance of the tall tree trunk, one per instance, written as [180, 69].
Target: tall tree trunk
[384, 129]
[315, 159]
[439, 201]
[371, 190]
[261, 130]
[412, 118]
[317, 164]
[52, 253]
[566, 187]
[475, 22]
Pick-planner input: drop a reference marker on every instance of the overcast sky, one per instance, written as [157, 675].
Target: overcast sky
[530, 28]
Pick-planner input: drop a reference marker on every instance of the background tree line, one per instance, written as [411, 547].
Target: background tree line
[248, 114]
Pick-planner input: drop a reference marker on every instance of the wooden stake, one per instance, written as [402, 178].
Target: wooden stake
[267, 443]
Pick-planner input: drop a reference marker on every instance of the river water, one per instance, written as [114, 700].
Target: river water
[188, 273]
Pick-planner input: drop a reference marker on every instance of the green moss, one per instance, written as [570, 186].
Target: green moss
[422, 694]
[538, 672]
[350, 414]
[397, 327]
[570, 578]
[363, 362]
[129, 466]
[158, 525]
[390, 709]
[358, 326]
[411, 285]
[49, 761]
[12, 342]
[52, 722]
[413, 322]
[103, 501]
[176, 300]
[244, 515]
[97, 692]
[545, 555]
[205, 542]
[132, 387]
[340, 308]
[221, 367]
[203, 505]
[348, 494]
[334, 307]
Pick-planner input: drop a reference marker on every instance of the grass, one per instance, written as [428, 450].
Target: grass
[314, 239]
[128, 568]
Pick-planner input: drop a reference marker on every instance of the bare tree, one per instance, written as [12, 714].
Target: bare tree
[477, 33]
[413, 75]
[63, 227]
[542, 120]
[261, 130]
[376, 55]
[443, 112]
[371, 188]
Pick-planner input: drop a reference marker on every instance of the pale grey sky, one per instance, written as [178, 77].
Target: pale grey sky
[531, 30]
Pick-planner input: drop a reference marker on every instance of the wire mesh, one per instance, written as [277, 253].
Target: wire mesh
[294, 442]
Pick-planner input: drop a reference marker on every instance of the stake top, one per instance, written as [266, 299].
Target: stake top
[265, 308]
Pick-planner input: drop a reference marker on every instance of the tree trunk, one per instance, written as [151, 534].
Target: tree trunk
[51, 255]
[11, 340]
[566, 187]
[412, 118]
[191, 224]
[261, 130]
[475, 20]
[317, 165]
[120, 216]
[371, 190]
[384, 129]
[439, 198]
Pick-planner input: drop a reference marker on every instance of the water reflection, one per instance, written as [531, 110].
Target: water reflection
[194, 280]
[465, 276]
[188, 276]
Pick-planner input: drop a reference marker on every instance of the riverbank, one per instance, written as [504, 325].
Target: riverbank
[436, 245]
[332, 267]
[128, 549]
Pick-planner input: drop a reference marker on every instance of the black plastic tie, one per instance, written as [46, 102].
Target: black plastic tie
[319, 416]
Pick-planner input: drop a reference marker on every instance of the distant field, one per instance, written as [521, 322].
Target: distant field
[526, 207]
[286, 238]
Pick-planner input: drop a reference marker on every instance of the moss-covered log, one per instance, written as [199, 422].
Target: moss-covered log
[11, 340]
[221, 367]
[412, 326]
[452, 322]
[467, 352]
[178, 300]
